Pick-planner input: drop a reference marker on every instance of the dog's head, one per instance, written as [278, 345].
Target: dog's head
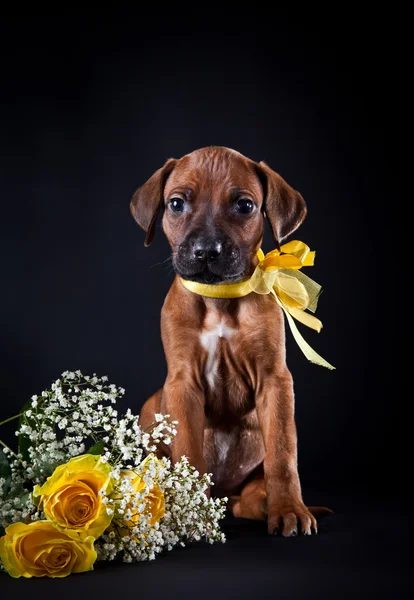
[214, 202]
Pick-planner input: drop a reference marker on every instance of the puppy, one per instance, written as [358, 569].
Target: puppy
[228, 384]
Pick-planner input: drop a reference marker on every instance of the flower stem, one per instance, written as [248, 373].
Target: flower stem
[8, 448]
[11, 419]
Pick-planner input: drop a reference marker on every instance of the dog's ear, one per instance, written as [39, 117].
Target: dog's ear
[147, 201]
[284, 207]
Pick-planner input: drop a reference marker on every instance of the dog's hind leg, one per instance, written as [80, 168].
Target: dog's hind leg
[150, 408]
[251, 504]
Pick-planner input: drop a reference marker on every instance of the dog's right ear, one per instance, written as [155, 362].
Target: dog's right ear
[284, 207]
[147, 201]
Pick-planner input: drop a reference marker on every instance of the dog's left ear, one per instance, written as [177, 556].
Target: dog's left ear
[284, 207]
[148, 199]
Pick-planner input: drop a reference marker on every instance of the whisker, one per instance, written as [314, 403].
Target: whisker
[170, 269]
[168, 259]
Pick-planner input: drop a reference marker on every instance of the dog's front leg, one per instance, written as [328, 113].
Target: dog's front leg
[275, 408]
[184, 401]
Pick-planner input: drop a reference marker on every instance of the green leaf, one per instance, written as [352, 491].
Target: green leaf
[36, 500]
[96, 448]
[49, 467]
[23, 500]
[5, 471]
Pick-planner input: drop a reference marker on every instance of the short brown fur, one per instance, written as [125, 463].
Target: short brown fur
[242, 427]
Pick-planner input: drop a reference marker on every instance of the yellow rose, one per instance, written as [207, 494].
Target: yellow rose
[154, 499]
[40, 550]
[70, 497]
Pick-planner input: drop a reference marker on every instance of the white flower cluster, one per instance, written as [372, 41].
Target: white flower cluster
[77, 416]
[16, 502]
[188, 515]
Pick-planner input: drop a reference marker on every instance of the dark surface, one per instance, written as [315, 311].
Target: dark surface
[90, 108]
[360, 552]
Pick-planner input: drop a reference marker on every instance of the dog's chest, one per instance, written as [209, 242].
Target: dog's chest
[216, 332]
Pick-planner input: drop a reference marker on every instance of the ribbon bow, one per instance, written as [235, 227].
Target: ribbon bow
[278, 273]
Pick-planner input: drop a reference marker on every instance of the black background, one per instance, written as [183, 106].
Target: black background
[91, 107]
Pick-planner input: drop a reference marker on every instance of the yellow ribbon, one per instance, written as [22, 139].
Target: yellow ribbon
[278, 273]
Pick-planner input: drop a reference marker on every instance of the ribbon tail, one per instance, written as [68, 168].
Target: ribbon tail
[307, 350]
[306, 319]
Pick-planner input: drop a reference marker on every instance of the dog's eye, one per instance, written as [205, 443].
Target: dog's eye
[245, 206]
[177, 205]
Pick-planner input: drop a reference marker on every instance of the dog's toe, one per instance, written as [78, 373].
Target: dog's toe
[290, 524]
[306, 524]
[273, 524]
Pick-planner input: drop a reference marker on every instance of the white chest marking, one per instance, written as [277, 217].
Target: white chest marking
[209, 340]
[222, 441]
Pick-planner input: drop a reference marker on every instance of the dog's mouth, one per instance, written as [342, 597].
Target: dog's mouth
[211, 272]
[208, 276]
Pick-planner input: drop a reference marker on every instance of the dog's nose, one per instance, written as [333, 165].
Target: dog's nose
[208, 251]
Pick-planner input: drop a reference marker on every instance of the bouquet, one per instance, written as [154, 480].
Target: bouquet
[85, 484]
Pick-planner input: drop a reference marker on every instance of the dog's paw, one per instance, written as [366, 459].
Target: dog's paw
[291, 520]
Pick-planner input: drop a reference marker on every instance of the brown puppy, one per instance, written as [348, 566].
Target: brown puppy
[228, 384]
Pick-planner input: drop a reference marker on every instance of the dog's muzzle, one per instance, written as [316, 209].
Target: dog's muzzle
[209, 260]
